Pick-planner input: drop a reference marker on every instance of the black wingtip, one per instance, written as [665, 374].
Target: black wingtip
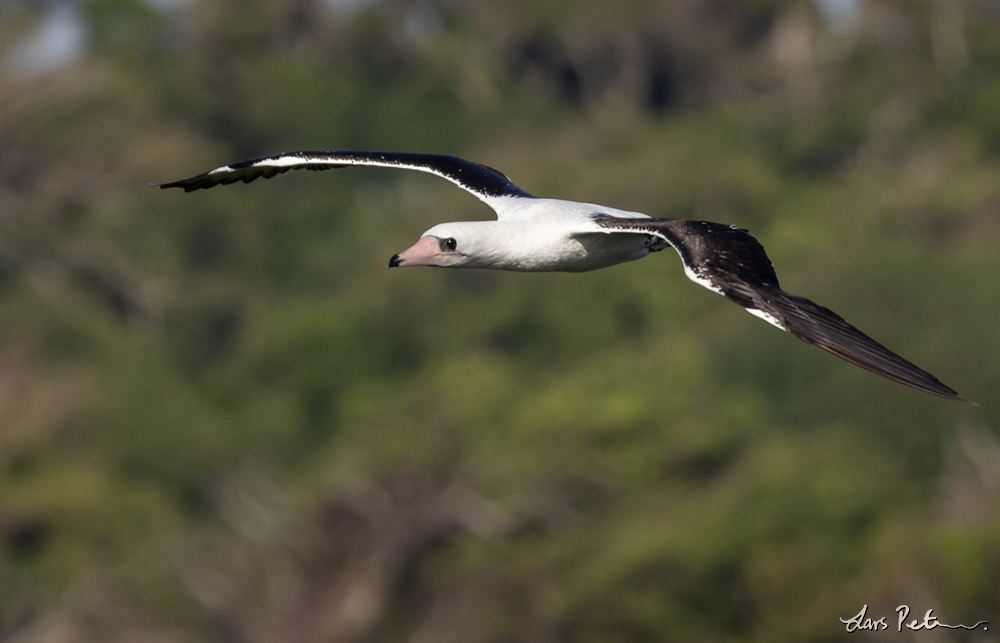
[826, 329]
[875, 358]
[969, 402]
[197, 182]
[952, 395]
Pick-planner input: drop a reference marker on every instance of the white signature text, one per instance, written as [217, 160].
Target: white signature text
[861, 621]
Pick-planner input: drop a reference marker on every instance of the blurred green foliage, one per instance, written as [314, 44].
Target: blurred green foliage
[210, 400]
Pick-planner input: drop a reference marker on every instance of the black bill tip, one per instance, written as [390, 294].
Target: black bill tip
[394, 262]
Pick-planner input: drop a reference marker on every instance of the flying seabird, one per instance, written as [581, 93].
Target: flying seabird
[546, 235]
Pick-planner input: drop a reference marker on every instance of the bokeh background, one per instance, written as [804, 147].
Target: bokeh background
[222, 418]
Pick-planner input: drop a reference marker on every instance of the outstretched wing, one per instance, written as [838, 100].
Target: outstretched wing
[731, 262]
[487, 184]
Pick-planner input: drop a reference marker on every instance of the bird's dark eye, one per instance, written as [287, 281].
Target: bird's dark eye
[449, 243]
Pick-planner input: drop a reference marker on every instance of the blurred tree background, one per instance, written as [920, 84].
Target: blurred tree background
[222, 418]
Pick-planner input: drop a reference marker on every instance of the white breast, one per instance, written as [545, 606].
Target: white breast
[560, 236]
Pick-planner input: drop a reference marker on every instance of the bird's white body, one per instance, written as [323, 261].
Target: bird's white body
[544, 235]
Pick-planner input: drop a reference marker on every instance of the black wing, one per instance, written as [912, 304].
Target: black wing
[484, 182]
[732, 262]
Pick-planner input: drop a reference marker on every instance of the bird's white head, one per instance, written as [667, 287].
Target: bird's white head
[448, 245]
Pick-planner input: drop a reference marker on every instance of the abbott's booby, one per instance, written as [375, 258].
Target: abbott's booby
[534, 234]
